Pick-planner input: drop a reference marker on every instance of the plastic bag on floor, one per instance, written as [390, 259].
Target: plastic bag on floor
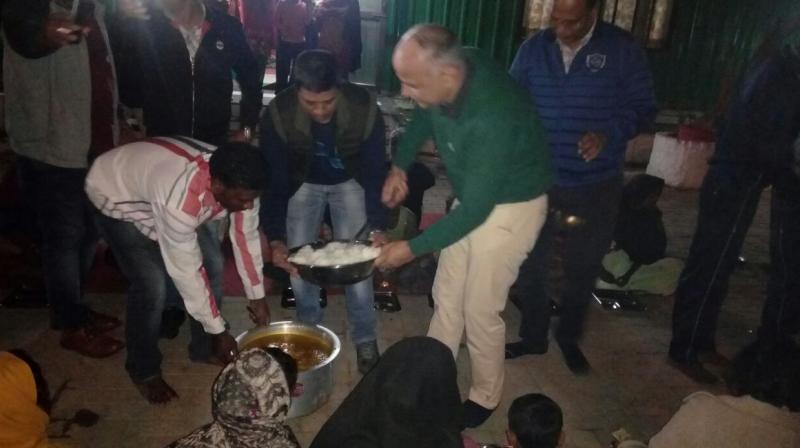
[659, 278]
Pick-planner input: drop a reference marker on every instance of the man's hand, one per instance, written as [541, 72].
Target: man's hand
[394, 255]
[224, 346]
[127, 134]
[60, 30]
[280, 257]
[259, 311]
[395, 189]
[378, 238]
[591, 145]
[133, 9]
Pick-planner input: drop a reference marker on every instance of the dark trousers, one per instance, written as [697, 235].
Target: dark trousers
[284, 60]
[728, 202]
[582, 245]
[69, 236]
[140, 260]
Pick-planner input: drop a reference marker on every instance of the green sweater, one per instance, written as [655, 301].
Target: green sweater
[492, 145]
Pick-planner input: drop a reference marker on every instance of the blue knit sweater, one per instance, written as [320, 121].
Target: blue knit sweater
[609, 89]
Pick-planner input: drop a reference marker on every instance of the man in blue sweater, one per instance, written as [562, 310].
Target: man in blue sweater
[324, 143]
[593, 91]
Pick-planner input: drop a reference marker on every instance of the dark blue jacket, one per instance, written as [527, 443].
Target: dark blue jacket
[763, 123]
[609, 89]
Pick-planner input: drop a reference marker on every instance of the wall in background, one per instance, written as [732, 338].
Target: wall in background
[709, 46]
[495, 26]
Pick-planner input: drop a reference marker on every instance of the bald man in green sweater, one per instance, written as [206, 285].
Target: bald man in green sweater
[493, 146]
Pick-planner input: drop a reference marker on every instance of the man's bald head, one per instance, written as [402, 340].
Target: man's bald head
[436, 42]
[430, 62]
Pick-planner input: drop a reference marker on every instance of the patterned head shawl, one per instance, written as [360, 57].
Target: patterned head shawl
[250, 401]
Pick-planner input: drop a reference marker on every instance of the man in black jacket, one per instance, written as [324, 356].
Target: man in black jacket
[755, 150]
[177, 61]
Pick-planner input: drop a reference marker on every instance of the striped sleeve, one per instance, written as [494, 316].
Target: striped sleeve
[246, 244]
[177, 240]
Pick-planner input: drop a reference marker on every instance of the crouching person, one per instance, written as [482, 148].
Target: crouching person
[155, 200]
[324, 139]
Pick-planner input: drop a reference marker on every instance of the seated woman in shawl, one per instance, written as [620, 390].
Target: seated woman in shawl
[24, 402]
[637, 260]
[251, 397]
[409, 399]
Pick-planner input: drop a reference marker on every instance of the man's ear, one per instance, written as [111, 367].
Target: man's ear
[561, 438]
[217, 186]
[511, 438]
[451, 71]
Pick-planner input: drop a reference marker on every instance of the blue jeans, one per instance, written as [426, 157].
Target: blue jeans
[69, 237]
[348, 214]
[140, 260]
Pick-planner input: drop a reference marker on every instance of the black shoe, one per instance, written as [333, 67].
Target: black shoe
[694, 370]
[287, 298]
[521, 348]
[367, 356]
[475, 414]
[573, 357]
[387, 301]
[171, 320]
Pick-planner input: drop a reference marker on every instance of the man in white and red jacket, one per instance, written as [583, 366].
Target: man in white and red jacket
[157, 200]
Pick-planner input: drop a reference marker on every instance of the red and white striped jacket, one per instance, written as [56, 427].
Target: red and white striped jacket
[163, 187]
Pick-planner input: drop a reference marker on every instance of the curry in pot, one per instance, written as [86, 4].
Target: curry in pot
[308, 351]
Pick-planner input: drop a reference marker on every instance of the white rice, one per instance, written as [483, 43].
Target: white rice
[335, 253]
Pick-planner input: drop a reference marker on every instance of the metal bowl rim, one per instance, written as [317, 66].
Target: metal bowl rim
[337, 344]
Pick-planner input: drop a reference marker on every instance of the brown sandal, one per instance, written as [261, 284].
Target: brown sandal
[91, 344]
[101, 323]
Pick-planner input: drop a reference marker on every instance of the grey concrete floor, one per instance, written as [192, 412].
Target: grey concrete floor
[631, 385]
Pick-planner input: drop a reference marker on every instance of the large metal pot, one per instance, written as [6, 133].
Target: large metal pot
[314, 385]
[337, 275]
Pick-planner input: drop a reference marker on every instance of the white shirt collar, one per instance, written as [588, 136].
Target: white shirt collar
[568, 54]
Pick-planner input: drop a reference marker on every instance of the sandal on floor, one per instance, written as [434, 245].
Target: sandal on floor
[91, 344]
[102, 323]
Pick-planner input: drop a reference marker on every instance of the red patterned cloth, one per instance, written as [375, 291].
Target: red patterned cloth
[103, 82]
[258, 20]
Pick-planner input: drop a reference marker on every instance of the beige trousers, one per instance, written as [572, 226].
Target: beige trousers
[471, 289]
